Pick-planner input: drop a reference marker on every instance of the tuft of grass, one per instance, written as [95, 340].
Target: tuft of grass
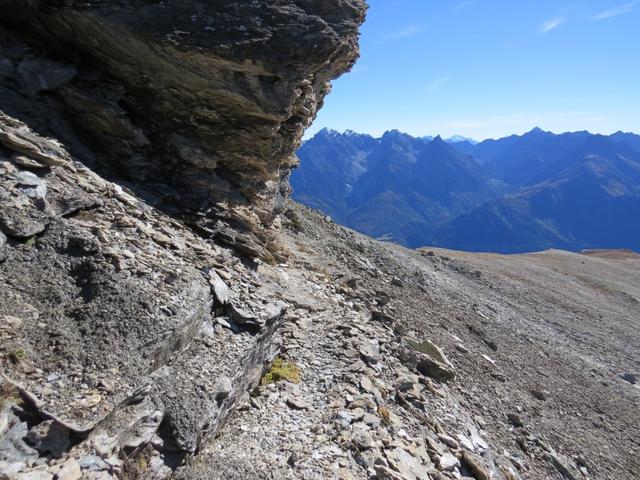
[142, 464]
[385, 414]
[31, 242]
[282, 370]
[17, 356]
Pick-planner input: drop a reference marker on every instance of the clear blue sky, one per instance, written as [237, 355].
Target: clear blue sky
[489, 68]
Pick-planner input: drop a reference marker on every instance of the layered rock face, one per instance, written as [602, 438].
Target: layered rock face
[145, 148]
[199, 105]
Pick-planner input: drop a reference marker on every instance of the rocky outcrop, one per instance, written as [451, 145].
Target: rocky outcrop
[200, 106]
[101, 298]
[144, 153]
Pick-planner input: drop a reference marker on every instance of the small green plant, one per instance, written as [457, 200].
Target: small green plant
[17, 356]
[281, 370]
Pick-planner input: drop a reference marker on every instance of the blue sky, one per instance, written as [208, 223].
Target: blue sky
[489, 68]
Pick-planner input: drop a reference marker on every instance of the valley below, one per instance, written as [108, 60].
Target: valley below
[521, 193]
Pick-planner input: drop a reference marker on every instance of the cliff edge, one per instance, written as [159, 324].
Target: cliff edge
[198, 106]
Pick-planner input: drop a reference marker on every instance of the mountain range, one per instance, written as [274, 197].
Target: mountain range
[516, 194]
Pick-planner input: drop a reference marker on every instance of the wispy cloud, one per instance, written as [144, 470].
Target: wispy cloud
[574, 14]
[437, 83]
[550, 25]
[408, 31]
[463, 5]
[615, 11]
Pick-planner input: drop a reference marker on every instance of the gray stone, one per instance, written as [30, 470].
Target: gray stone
[21, 223]
[515, 419]
[385, 473]
[539, 394]
[448, 462]
[344, 418]
[40, 474]
[93, 463]
[448, 441]
[69, 470]
[17, 137]
[297, 403]
[361, 439]
[382, 298]
[220, 288]
[478, 441]
[632, 378]
[407, 465]
[429, 360]
[50, 437]
[243, 317]
[13, 448]
[476, 466]
[223, 387]
[466, 443]
[370, 352]
[559, 463]
[9, 470]
[371, 420]
[26, 162]
[366, 384]
[31, 185]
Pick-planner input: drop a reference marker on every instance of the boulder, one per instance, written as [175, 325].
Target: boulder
[429, 360]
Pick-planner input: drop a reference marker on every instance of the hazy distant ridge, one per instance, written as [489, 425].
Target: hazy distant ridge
[520, 193]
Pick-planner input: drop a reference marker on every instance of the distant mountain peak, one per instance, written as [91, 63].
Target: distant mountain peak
[329, 132]
[520, 193]
[393, 133]
[396, 136]
[460, 139]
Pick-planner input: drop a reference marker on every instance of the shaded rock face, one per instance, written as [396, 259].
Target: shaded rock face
[200, 105]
